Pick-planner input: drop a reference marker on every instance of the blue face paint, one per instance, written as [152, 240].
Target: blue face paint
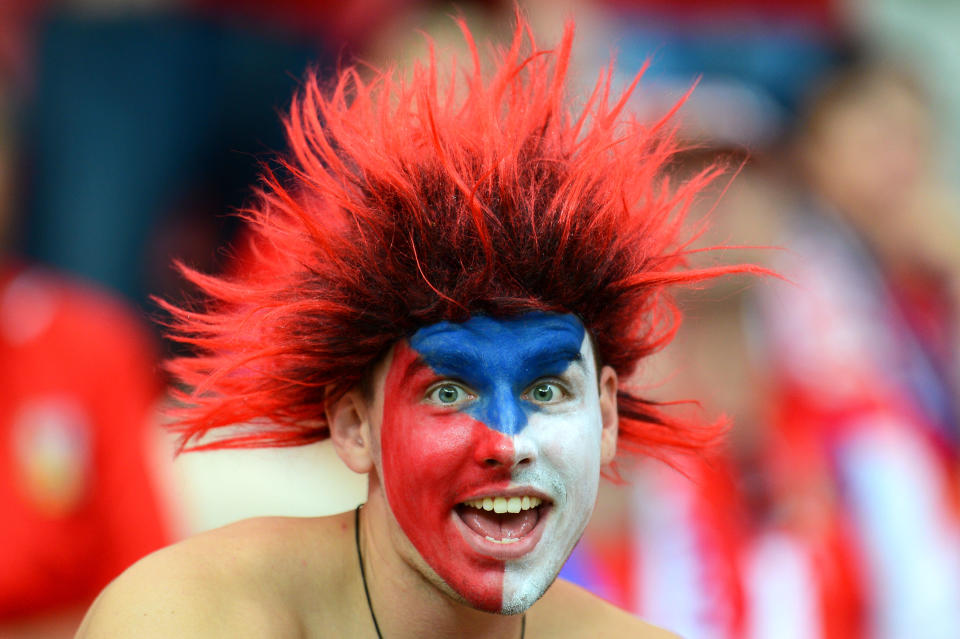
[500, 359]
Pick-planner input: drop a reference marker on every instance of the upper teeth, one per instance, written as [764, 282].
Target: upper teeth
[505, 504]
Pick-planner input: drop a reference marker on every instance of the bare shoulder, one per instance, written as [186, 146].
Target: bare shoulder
[567, 610]
[242, 580]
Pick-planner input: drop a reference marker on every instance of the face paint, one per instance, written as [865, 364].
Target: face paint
[493, 411]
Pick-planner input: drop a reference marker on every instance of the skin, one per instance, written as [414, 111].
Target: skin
[271, 577]
[866, 153]
[521, 418]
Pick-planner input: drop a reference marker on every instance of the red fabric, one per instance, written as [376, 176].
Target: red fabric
[615, 560]
[722, 531]
[923, 296]
[688, 543]
[799, 467]
[79, 394]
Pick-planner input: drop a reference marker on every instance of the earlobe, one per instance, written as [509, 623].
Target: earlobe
[349, 422]
[608, 414]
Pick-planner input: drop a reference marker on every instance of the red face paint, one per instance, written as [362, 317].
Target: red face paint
[433, 459]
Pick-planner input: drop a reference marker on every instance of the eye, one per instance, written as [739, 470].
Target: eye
[448, 394]
[546, 393]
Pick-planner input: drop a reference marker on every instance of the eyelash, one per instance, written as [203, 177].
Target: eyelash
[564, 391]
[436, 387]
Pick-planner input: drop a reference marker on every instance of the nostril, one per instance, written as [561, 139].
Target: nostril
[496, 452]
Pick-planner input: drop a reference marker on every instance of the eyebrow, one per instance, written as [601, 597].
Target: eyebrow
[463, 362]
[550, 357]
[412, 369]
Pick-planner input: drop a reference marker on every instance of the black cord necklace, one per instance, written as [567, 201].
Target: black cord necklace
[363, 573]
[366, 591]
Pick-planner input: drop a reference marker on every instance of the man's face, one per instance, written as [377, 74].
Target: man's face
[490, 451]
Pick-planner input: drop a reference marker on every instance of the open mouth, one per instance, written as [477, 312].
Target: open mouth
[503, 519]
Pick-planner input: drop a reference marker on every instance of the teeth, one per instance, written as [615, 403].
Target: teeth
[505, 504]
[505, 540]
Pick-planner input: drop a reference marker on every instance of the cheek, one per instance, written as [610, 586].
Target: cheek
[571, 443]
[569, 449]
[423, 454]
[430, 462]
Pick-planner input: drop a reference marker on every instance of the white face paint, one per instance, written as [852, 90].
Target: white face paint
[565, 448]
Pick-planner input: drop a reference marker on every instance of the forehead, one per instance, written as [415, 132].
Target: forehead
[485, 348]
[519, 347]
[485, 344]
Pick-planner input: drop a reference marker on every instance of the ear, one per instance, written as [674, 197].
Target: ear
[349, 422]
[608, 414]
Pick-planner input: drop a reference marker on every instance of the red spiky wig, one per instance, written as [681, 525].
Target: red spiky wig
[411, 201]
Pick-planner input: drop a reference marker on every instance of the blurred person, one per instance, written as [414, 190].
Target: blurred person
[842, 511]
[794, 564]
[449, 286]
[860, 353]
[78, 390]
[866, 150]
[677, 538]
[844, 449]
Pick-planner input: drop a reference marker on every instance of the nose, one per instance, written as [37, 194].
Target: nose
[501, 451]
[504, 412]
[505, 420]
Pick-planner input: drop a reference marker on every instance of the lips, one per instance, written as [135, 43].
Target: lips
[501, 519]
[502, 526]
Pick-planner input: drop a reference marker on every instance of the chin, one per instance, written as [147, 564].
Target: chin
[526, 579]
[524, 582]
[527, 591]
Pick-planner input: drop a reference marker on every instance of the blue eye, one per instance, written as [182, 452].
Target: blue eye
[448, 394]
[545, 393]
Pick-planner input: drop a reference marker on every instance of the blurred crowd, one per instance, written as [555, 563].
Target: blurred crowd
[129, 129]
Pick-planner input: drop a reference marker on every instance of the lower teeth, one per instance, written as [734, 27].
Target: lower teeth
[505, 540]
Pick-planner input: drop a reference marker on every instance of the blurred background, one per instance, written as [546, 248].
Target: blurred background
[129, 129]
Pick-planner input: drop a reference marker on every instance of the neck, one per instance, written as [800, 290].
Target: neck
[423, 610]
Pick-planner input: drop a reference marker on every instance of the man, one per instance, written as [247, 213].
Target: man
[449, 286]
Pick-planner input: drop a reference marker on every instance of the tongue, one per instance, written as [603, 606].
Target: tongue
[499, 525]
